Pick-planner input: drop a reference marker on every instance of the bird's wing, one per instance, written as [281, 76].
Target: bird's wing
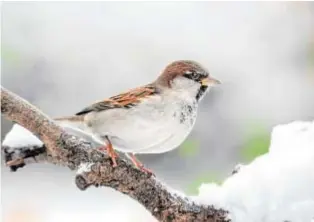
[124, 100]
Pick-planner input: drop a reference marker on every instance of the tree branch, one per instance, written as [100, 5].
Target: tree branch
[95, 168]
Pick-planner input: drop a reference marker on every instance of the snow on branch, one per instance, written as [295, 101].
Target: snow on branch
[94, 168]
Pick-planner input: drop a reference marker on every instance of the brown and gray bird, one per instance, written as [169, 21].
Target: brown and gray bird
[154, 118]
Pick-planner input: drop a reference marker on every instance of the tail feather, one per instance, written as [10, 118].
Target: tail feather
[75, 124]
[73, 121]
[71, 118]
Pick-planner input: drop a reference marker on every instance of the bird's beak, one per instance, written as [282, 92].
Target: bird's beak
[209, 81]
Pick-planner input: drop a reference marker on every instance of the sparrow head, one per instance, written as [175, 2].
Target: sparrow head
[187, 76]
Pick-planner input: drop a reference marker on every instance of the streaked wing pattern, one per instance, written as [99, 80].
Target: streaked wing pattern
[124, 100]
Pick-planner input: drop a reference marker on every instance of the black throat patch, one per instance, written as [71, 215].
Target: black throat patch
[201, 92]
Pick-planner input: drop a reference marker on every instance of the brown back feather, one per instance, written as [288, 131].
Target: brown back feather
[124, 100]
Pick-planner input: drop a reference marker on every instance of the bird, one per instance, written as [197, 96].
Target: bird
[150, 119]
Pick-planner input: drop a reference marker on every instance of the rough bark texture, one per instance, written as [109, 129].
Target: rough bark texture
[95, 168]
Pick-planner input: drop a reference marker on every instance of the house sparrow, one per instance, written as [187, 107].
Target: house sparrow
[154, 118]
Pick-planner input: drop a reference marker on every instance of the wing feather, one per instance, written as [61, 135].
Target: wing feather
[124, 100]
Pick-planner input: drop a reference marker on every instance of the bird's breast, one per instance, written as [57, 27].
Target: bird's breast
[187, 114]
[152, 127]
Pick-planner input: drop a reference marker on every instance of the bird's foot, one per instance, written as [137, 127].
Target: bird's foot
[111, 152]
[140, 166]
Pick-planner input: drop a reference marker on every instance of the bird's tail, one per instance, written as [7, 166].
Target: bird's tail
[74, 124]
[70, 119]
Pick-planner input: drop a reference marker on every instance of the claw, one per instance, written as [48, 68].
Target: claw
[140, 166]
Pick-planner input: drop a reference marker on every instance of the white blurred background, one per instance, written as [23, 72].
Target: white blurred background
[63, 56]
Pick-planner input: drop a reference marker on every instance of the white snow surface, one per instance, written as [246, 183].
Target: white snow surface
[20, 137]
[275, 187]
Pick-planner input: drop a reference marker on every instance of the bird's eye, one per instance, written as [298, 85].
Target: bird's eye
[192, 75]
[195, 75]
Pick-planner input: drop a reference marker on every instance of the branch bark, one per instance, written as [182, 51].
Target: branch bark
[95, 168]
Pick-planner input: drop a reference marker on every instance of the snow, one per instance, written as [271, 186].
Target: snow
[278, 186]
[84, 167]
[20, 137]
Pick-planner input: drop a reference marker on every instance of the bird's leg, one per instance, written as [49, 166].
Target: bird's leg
[113, 155]
[139, 165]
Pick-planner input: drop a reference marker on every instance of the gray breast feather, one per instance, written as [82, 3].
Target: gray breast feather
[152, 127]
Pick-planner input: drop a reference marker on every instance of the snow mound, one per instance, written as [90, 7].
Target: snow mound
[20, 137]
[278, 186]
